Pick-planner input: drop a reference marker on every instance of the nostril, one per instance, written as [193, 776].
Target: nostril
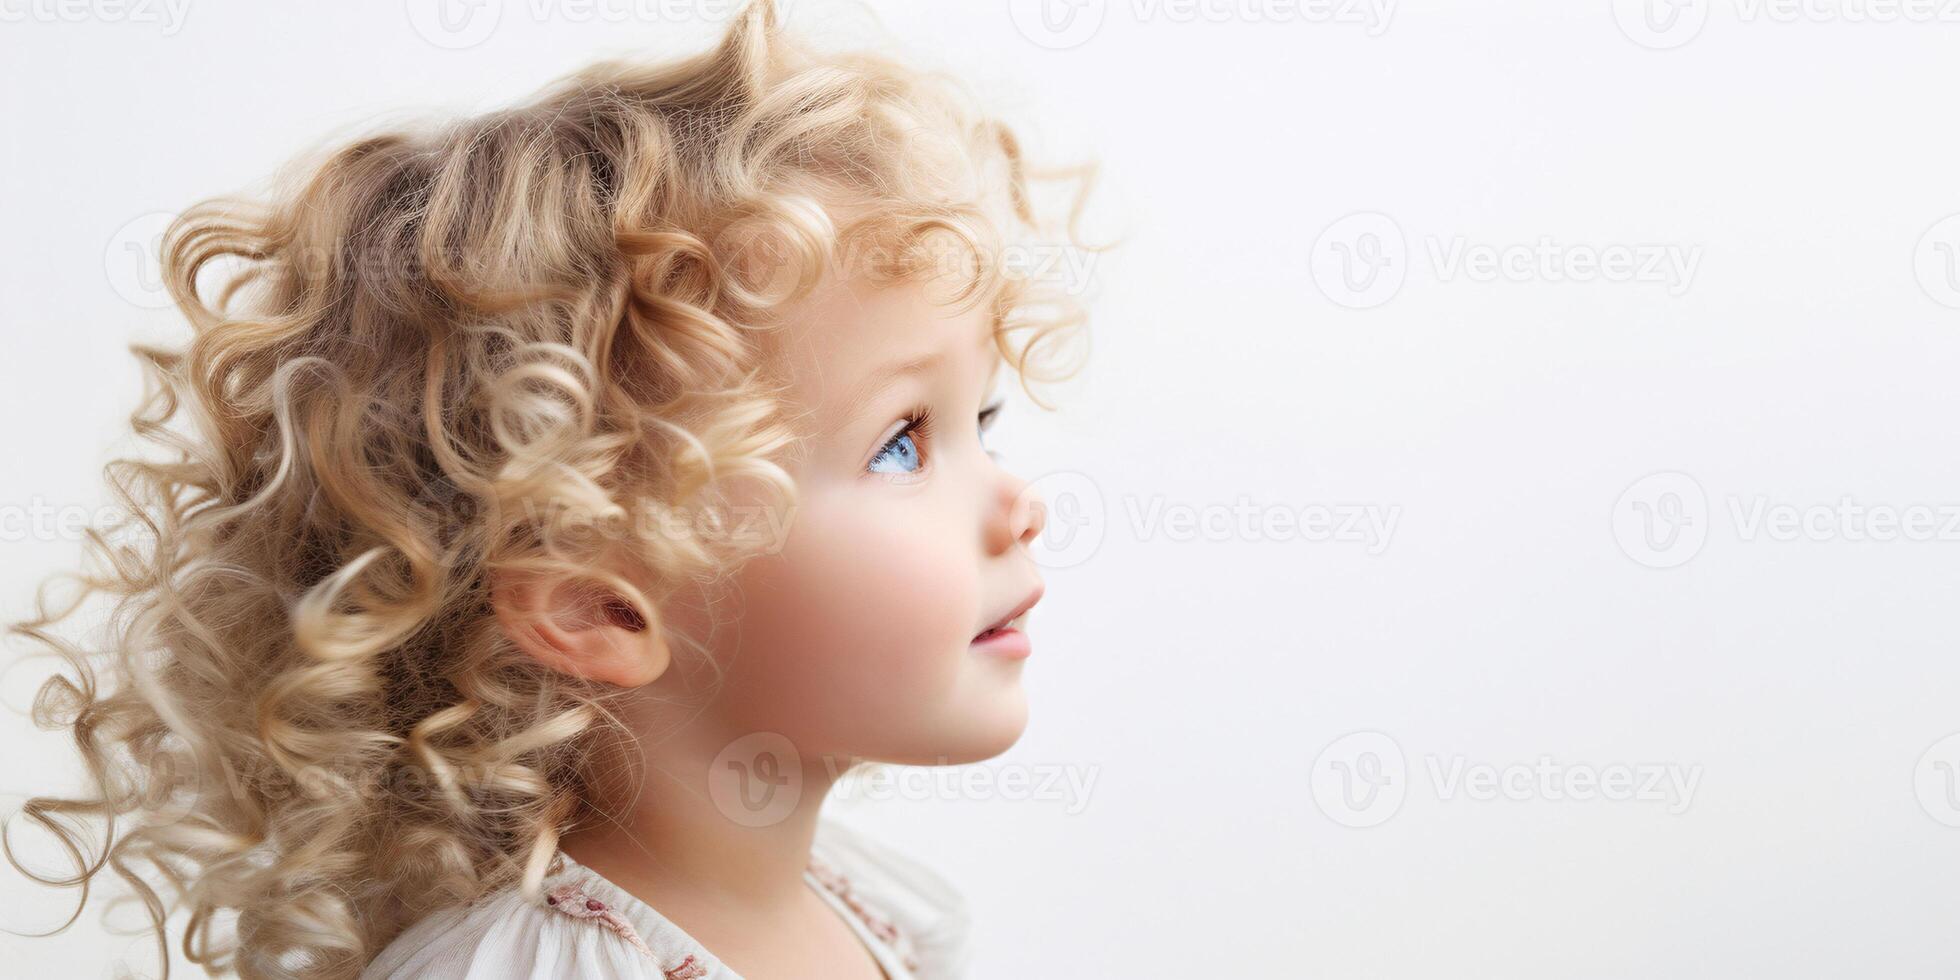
[1037, 519]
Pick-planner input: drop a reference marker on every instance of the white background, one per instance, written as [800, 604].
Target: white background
[1516, 613]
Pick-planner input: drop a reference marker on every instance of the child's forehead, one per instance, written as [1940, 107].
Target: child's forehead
[859, 324]
[841, 345]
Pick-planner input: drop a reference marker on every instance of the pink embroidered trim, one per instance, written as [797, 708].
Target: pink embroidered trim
[688, 970]
[570, 900]
[577, 904]
[839, 885]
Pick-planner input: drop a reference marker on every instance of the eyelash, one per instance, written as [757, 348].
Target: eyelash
[918, 425]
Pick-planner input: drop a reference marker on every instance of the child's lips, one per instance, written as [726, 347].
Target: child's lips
[1019, 610]
[1006, 642]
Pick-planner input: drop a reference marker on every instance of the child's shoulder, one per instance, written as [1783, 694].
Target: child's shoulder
[927, 916]
[584, 925]
[504, 934]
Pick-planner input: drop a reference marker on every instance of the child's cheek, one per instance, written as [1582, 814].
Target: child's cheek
[862, 624]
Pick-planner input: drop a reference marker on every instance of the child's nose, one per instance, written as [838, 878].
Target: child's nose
[1019, 514]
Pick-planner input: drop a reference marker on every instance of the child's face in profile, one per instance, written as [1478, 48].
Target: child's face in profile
[857, 637]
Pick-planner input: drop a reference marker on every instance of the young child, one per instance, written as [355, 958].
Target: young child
[560, 502]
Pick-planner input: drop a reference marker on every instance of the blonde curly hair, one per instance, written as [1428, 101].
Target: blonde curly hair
[435, 355]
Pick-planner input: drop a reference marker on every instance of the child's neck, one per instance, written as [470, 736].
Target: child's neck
[676, 847]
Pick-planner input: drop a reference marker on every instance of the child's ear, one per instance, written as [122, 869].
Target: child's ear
[578, 627]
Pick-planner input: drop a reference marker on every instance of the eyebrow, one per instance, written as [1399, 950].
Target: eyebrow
[882, 379]
[886, 376]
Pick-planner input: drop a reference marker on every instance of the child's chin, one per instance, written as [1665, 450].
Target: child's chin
[982, 729]
[992, 729]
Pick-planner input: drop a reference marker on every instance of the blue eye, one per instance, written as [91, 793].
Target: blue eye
[900, 455]
[904, 452]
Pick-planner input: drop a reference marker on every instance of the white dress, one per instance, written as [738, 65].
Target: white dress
[912, 920]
